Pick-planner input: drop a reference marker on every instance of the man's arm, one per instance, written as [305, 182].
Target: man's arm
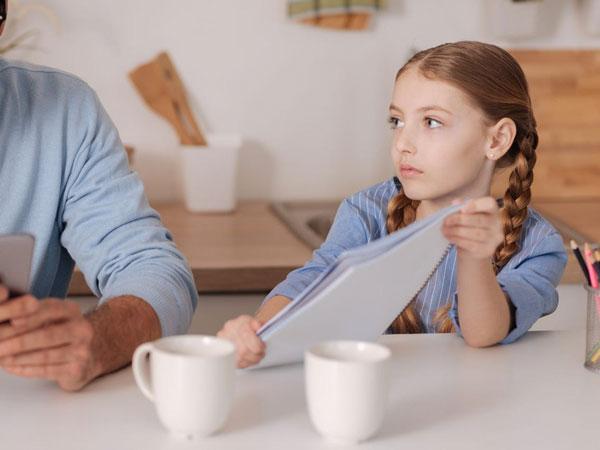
[119, 326]
[127, 256]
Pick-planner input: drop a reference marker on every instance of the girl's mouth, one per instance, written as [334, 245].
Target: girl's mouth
[408, 171]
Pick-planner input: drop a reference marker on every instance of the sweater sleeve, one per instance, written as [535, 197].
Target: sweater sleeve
[108, 227]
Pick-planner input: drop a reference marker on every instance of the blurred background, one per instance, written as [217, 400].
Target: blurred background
[307, 100]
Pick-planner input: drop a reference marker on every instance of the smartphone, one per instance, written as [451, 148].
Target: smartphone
[3, 11]
[16, 252]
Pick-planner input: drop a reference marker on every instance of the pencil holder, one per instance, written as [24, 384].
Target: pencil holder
[210, 174]
[592, 341]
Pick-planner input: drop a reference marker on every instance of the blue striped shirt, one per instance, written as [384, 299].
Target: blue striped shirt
[529, 278]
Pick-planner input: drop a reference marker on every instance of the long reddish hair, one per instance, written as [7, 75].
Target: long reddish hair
[494, 82]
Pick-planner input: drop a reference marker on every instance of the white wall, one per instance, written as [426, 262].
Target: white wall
[311, 103]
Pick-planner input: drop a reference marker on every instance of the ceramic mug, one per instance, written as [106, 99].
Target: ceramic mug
[347, 384]
[190, 379]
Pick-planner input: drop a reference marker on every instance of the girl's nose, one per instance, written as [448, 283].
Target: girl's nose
[403, 143]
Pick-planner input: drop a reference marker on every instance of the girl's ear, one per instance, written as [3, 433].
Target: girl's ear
[501, 137]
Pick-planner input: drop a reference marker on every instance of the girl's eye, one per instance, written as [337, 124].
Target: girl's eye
[395, 123]
[432, 123]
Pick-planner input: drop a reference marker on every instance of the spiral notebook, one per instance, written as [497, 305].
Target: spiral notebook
[360, 294]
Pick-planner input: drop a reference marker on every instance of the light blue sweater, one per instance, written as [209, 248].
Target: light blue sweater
[64, 178]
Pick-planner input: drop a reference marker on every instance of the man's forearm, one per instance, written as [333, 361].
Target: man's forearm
[120, 325]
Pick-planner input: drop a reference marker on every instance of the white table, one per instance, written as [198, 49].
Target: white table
[533, 394]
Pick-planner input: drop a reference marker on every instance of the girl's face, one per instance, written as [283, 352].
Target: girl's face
[440, 141]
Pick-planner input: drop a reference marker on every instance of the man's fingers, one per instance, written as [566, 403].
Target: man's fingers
[18, 307]
[6, 330]
[49, 372]
[59, 355]
[50, 310]
[47, 337]
[4, 293]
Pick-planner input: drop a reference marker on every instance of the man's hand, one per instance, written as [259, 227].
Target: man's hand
[52, 339]
[46, 339]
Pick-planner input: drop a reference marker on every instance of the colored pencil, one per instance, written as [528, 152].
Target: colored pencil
[581, 261]
[597, 261]
[589, 261]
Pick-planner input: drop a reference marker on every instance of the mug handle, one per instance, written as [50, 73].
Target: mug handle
[141, 369]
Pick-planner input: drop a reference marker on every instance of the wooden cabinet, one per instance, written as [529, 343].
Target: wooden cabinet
[565, 92]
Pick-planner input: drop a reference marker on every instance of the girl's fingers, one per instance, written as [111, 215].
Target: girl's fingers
[252, 341]
[470, 220]
[466, 245]
[483, 204]
[242, 332]
[475, 235]
[250, 361]
[251, 347]
[256, 325]
[252, 358]
[242, 364]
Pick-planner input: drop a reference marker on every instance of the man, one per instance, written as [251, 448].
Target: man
[64, 178]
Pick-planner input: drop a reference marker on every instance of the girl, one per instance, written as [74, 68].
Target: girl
[459, 112]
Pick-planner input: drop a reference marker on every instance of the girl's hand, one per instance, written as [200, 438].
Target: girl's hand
[477, 229]
[242, 332]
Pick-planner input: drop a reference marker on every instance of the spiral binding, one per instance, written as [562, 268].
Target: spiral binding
[435, 267]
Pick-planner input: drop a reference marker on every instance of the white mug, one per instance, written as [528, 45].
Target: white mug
[347, 384]
[190, 379]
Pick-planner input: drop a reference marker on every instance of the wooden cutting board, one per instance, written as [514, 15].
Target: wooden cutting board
[565, 91]
[160, 86]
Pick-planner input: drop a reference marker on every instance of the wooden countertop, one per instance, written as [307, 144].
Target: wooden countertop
[251, 250]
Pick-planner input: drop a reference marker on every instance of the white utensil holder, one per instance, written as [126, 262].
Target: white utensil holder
[209, 174]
